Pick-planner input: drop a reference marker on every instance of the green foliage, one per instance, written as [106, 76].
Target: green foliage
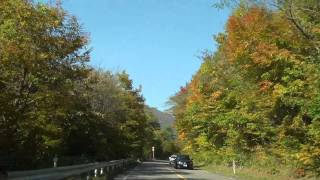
[43, 55]
[168, 146]
[52, 102]
[164, 139]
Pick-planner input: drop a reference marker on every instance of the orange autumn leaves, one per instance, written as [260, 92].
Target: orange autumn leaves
[257, 86]
[255, 36]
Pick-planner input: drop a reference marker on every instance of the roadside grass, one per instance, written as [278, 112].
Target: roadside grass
[254, 173]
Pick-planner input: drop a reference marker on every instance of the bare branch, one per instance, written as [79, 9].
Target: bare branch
[291, 17]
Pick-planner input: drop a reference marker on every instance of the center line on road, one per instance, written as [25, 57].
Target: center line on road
[125, 177]
[180, 176]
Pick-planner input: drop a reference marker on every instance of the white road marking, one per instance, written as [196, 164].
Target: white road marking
[180, 176]
[125, 177]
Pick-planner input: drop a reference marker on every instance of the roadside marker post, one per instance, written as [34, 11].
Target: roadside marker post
[153, 152]
[55, 161]
[234, 166]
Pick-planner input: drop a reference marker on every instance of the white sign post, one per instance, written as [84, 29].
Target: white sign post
[153, 152]
[55, 161]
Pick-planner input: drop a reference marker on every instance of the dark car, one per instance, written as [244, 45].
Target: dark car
[183, 161]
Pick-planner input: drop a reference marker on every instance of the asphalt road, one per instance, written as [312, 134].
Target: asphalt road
[160, 170]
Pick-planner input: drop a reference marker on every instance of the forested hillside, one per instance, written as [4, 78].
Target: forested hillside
[53, 103]
[165, 134]
[165, 119]
[256, 99]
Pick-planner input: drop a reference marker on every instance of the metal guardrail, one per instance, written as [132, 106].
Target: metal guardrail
[90, 171]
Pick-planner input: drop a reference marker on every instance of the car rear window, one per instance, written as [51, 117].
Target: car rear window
[184, 157]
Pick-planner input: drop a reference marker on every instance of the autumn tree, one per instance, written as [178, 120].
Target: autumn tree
[255, 98]
[53, 103]
[43, 53]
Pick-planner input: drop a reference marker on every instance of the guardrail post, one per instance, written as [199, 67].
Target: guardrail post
[108, 172]
[114, 170]
[101, 171]
[111, 170]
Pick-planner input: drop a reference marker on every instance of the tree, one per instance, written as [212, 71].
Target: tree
[53, 103]
[43, 53]
[256, 97]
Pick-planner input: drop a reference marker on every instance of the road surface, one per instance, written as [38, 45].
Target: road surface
[160, 170]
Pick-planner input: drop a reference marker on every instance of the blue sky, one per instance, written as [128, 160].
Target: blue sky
[157, 42]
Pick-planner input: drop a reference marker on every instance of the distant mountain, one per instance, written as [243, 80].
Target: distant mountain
[164, 119]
